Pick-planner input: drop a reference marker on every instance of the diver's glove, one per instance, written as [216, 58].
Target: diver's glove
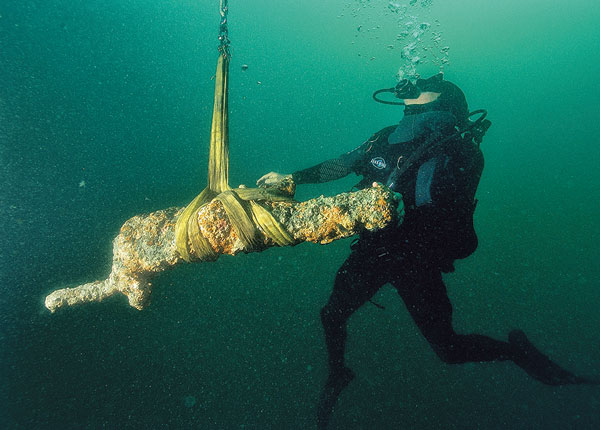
[400, 208]
[271, 179]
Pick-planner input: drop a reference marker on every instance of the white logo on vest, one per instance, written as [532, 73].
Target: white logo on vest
[379, 163]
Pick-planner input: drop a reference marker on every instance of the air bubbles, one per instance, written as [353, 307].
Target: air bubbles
[416, 40]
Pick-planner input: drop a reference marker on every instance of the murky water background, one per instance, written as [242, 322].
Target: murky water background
[105, 112]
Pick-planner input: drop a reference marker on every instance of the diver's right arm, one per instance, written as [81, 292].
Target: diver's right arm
[326, 171]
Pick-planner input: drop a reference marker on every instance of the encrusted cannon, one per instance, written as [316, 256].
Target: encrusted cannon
[146, 245]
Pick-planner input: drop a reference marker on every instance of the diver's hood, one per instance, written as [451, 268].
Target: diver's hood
[451, 98]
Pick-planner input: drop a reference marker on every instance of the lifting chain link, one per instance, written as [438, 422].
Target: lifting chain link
[223, 38]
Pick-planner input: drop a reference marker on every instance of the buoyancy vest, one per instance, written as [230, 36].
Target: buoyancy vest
[438, 189]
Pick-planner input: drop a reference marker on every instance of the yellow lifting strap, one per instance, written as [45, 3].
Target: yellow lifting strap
[245, 214]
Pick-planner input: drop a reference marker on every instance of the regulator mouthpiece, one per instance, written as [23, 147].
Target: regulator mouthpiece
[405, 89]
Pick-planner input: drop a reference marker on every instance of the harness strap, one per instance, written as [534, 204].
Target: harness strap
[473, 132]
[247, 217]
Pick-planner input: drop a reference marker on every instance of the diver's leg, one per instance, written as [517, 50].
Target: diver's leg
[539, 366]
[428, 303]
[426, 298]
[355, 283]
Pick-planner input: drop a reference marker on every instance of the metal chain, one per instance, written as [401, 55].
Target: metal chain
[223, 38]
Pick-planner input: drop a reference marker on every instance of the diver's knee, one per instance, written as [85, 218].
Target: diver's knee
[449, 357]
[326, 314]
[448, 353]
[332, 316]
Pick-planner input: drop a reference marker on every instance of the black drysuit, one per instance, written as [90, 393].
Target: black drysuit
[438, 190]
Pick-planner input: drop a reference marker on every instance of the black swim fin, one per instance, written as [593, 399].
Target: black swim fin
[539, 366]
[336, 382]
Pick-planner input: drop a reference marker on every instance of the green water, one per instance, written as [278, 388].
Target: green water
[117, 96]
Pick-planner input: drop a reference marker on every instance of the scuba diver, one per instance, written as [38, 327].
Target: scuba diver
[432, 158]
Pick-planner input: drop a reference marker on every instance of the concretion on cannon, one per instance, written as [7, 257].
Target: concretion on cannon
[146, 245]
